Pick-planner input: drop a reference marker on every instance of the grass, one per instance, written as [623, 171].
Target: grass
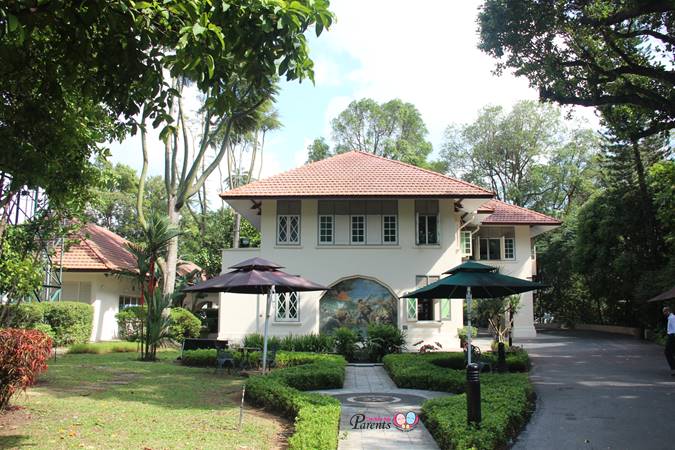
[114, 401]
[101, 348]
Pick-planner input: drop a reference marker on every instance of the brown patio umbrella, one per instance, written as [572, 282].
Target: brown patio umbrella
[668, 295]
[257, 276]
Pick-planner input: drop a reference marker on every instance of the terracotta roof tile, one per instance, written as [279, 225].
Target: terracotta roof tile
[99, 249]
[358, 174]
[506, 214]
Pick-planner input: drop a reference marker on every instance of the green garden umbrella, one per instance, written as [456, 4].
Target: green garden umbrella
[474, 279]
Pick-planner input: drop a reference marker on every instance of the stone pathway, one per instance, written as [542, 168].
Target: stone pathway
[368, 391]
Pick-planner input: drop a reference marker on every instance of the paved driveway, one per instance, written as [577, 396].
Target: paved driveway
[599, 391]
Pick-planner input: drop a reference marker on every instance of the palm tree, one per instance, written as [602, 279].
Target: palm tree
[148, 253]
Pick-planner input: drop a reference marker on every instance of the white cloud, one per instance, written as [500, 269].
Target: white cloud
[424, 53]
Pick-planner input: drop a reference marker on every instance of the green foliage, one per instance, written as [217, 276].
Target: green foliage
[130, 322]
[393, 129]
[528, 156]
[66, 322]
[23, 356]
[199, 358]
[345, 342]
[603, 53]
[462, 333]
[318, 150]
[317, 416]
[506, 398]
[102, 348]
[71, 321]
[183, 325]
[383, 339]
[316, 343]
[20, 275]
[256, 340]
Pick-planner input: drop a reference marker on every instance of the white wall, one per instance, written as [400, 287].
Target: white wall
[394, 266]
[104, 292]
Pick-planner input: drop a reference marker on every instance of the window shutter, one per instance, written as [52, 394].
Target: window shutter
[465, 243]
[445, 309]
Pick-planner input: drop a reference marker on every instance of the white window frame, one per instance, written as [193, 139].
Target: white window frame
[501, 249]
[123, 304]
[464, 240]
[513, 248]
[426, 224]
[332, 229]
[411, 306]
[351, 229]
[395, 217]
[288, 218]
[287, 299]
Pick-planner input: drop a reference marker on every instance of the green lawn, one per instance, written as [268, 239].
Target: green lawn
[114, 401]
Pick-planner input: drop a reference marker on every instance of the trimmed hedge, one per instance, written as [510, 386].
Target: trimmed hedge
[317, 417]
[184, 324]
[101, 348]
[66, 322]
[507, 399]
[207, 358]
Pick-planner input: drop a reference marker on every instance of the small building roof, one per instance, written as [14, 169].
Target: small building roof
[101, 250]
[501, 213]
[358, 174]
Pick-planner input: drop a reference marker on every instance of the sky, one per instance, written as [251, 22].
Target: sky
[422, 52]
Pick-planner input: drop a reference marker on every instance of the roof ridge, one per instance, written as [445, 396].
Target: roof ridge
[429, 171]
[527, 209]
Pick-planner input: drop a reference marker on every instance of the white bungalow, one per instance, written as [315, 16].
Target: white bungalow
[373, 229]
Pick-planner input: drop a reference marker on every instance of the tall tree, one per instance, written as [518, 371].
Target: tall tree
[318, 150]
[393, 129]
[528, 156]
[589, 52]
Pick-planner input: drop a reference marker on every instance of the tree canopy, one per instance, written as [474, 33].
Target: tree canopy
[601, 53]
[528, 156]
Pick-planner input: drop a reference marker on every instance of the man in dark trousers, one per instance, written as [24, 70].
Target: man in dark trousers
[670, 342]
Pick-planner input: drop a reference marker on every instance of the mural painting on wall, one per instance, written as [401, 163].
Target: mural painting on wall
[355, 303]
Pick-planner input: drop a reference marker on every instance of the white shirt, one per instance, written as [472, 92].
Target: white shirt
[671, 323]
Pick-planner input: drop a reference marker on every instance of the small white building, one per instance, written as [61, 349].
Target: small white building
[99, 269]
[373, 229]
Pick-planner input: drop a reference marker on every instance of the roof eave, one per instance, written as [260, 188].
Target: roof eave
[224, 196]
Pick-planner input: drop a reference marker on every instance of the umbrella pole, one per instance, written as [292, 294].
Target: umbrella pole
[270, 293]
[468, 332]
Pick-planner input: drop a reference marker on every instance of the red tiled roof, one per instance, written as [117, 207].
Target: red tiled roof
[99, 249]
[505, 214]
[358, 174]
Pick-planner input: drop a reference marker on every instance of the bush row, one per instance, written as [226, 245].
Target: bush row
[63, 321]
[317, 417]
[506, 398]
[379, 340]
[101, 348]
[183, 325]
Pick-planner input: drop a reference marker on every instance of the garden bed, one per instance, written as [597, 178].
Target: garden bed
[317, 417]
[507, 399]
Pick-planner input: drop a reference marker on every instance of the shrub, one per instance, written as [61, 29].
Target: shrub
[71, 321]
[317, 417]
[256, 340]
[383, 339]
[101, 348]
[130, 322]
[23, 356]
[509, 397]
[199, 358]
[317, 343]
[464, 331]
[345, 342]
[66, 322]
[184, 324]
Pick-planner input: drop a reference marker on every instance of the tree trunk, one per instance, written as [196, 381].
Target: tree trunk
[172, 250]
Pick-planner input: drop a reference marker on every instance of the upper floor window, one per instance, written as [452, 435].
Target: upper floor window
[287, 307]
[358, 222]
[426, 213]
[358, 229]
[326, 227]
[288, 221]
[495, 243]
